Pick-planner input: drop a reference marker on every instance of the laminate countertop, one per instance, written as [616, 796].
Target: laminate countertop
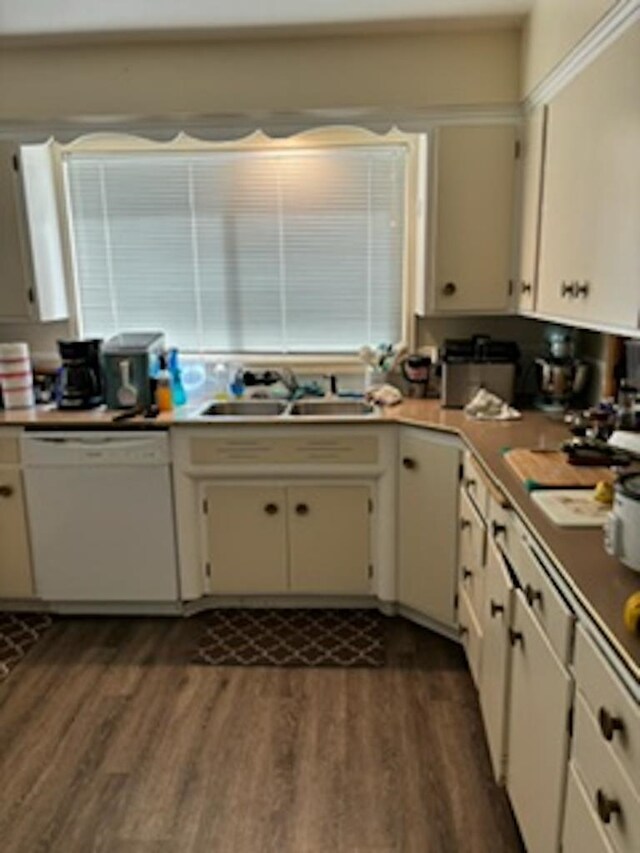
[600, 582]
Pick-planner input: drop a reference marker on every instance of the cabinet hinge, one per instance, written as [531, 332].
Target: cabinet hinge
[570, 722]
[510, 287]
[370, 505]
[517, 149]
[205, 506]
[31, 295]
[460, 472]
[456, 599]
[370, 571]
[15, 161]
[207, 569]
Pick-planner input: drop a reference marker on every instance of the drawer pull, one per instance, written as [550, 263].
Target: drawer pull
[497, 529]
[609, 724]
[466, 573]
[464, 523]
[606, 807]
[495, 608]
[526, 287]
[409, 464]
[582, 289]
[6, 491]
[271, 509]
[516, 637]
[568, 289]
[471, 483]
[302, 509]
[532, 595]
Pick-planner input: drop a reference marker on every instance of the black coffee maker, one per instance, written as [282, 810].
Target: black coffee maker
[80, 377]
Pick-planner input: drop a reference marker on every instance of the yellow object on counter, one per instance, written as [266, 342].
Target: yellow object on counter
[631, 613]
[603, 493]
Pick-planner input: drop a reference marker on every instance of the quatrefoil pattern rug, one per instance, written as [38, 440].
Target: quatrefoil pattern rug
[18, 633]
[292, 638]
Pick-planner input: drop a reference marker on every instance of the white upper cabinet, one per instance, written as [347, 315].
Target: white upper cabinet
[532, 157]
[15, 278]
[590, 235]
[471, 220]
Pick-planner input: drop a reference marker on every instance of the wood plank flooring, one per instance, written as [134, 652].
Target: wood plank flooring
[111, 741]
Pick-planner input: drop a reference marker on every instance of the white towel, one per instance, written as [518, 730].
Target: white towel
[486, 406]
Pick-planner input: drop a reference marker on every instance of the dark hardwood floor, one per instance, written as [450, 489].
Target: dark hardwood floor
[111, 741]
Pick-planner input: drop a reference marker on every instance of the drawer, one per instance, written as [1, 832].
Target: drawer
[474, 483]
[471, 553]
[614, 713]
[613, 801]
[582, 829]
[9, 450]
[313, 449]
[470, 634]
[544, 600]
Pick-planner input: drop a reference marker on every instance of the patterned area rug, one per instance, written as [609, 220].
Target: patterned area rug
[18, 633]
[339, 638]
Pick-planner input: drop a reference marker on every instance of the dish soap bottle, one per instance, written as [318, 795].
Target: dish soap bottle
[220, 382]
[178, 393]
[164, 396]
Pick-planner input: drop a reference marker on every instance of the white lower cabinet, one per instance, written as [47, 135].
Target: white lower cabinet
[427, 523]
[538, 732]
[16, 580]
[582, 832]
[269, 538]
[470, 635]
[496, 657]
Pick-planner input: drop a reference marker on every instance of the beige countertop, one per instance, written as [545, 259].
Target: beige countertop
[600, 582]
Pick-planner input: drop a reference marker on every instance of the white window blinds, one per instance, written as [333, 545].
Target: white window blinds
[275, 251]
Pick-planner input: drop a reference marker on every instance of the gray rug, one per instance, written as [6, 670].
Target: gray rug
[292, 638]
[18, 633]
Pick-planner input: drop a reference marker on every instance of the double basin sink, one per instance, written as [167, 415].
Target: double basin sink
[299, 409]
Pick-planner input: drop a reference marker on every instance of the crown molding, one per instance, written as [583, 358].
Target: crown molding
[624, 14]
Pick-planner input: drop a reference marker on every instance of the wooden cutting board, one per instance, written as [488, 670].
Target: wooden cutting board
[549, 469]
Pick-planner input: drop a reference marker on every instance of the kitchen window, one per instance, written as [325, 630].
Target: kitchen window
[287, 247]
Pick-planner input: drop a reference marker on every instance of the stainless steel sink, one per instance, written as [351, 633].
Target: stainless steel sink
[331, 408]
[245, 408]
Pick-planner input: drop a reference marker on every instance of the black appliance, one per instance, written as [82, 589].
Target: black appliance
[80, 377]
[477, 362]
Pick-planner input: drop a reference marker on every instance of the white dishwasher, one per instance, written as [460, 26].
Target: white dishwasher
[101, 516]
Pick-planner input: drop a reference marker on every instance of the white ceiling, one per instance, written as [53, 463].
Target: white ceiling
[33, 18]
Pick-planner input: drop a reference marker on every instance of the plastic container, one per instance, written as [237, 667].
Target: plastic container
[177, 388]
[16, 376]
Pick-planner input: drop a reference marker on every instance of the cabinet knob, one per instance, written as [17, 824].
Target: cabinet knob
[271, 509]
[526, 287]
[532, 595]
[497, 529]
[495, 608]
[606, 806]
[516, 637]
[6, 491]
[466, 573]
[302, 509]
[609, 724]
[464, 523]
[582, 289]
[568, 289]
[449, 288]
[408, 463]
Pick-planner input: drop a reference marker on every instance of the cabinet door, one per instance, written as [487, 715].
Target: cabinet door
[14, 287]
[532, 167]
[537, 742]
[474, 215]
[427, 524]
[246, 546]
[591, 203]
[582, 832]
[496, 656]
[329, 539]
[471, 553]
[15, 558]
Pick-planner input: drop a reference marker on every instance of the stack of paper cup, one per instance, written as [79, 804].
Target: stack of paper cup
[16, 378]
